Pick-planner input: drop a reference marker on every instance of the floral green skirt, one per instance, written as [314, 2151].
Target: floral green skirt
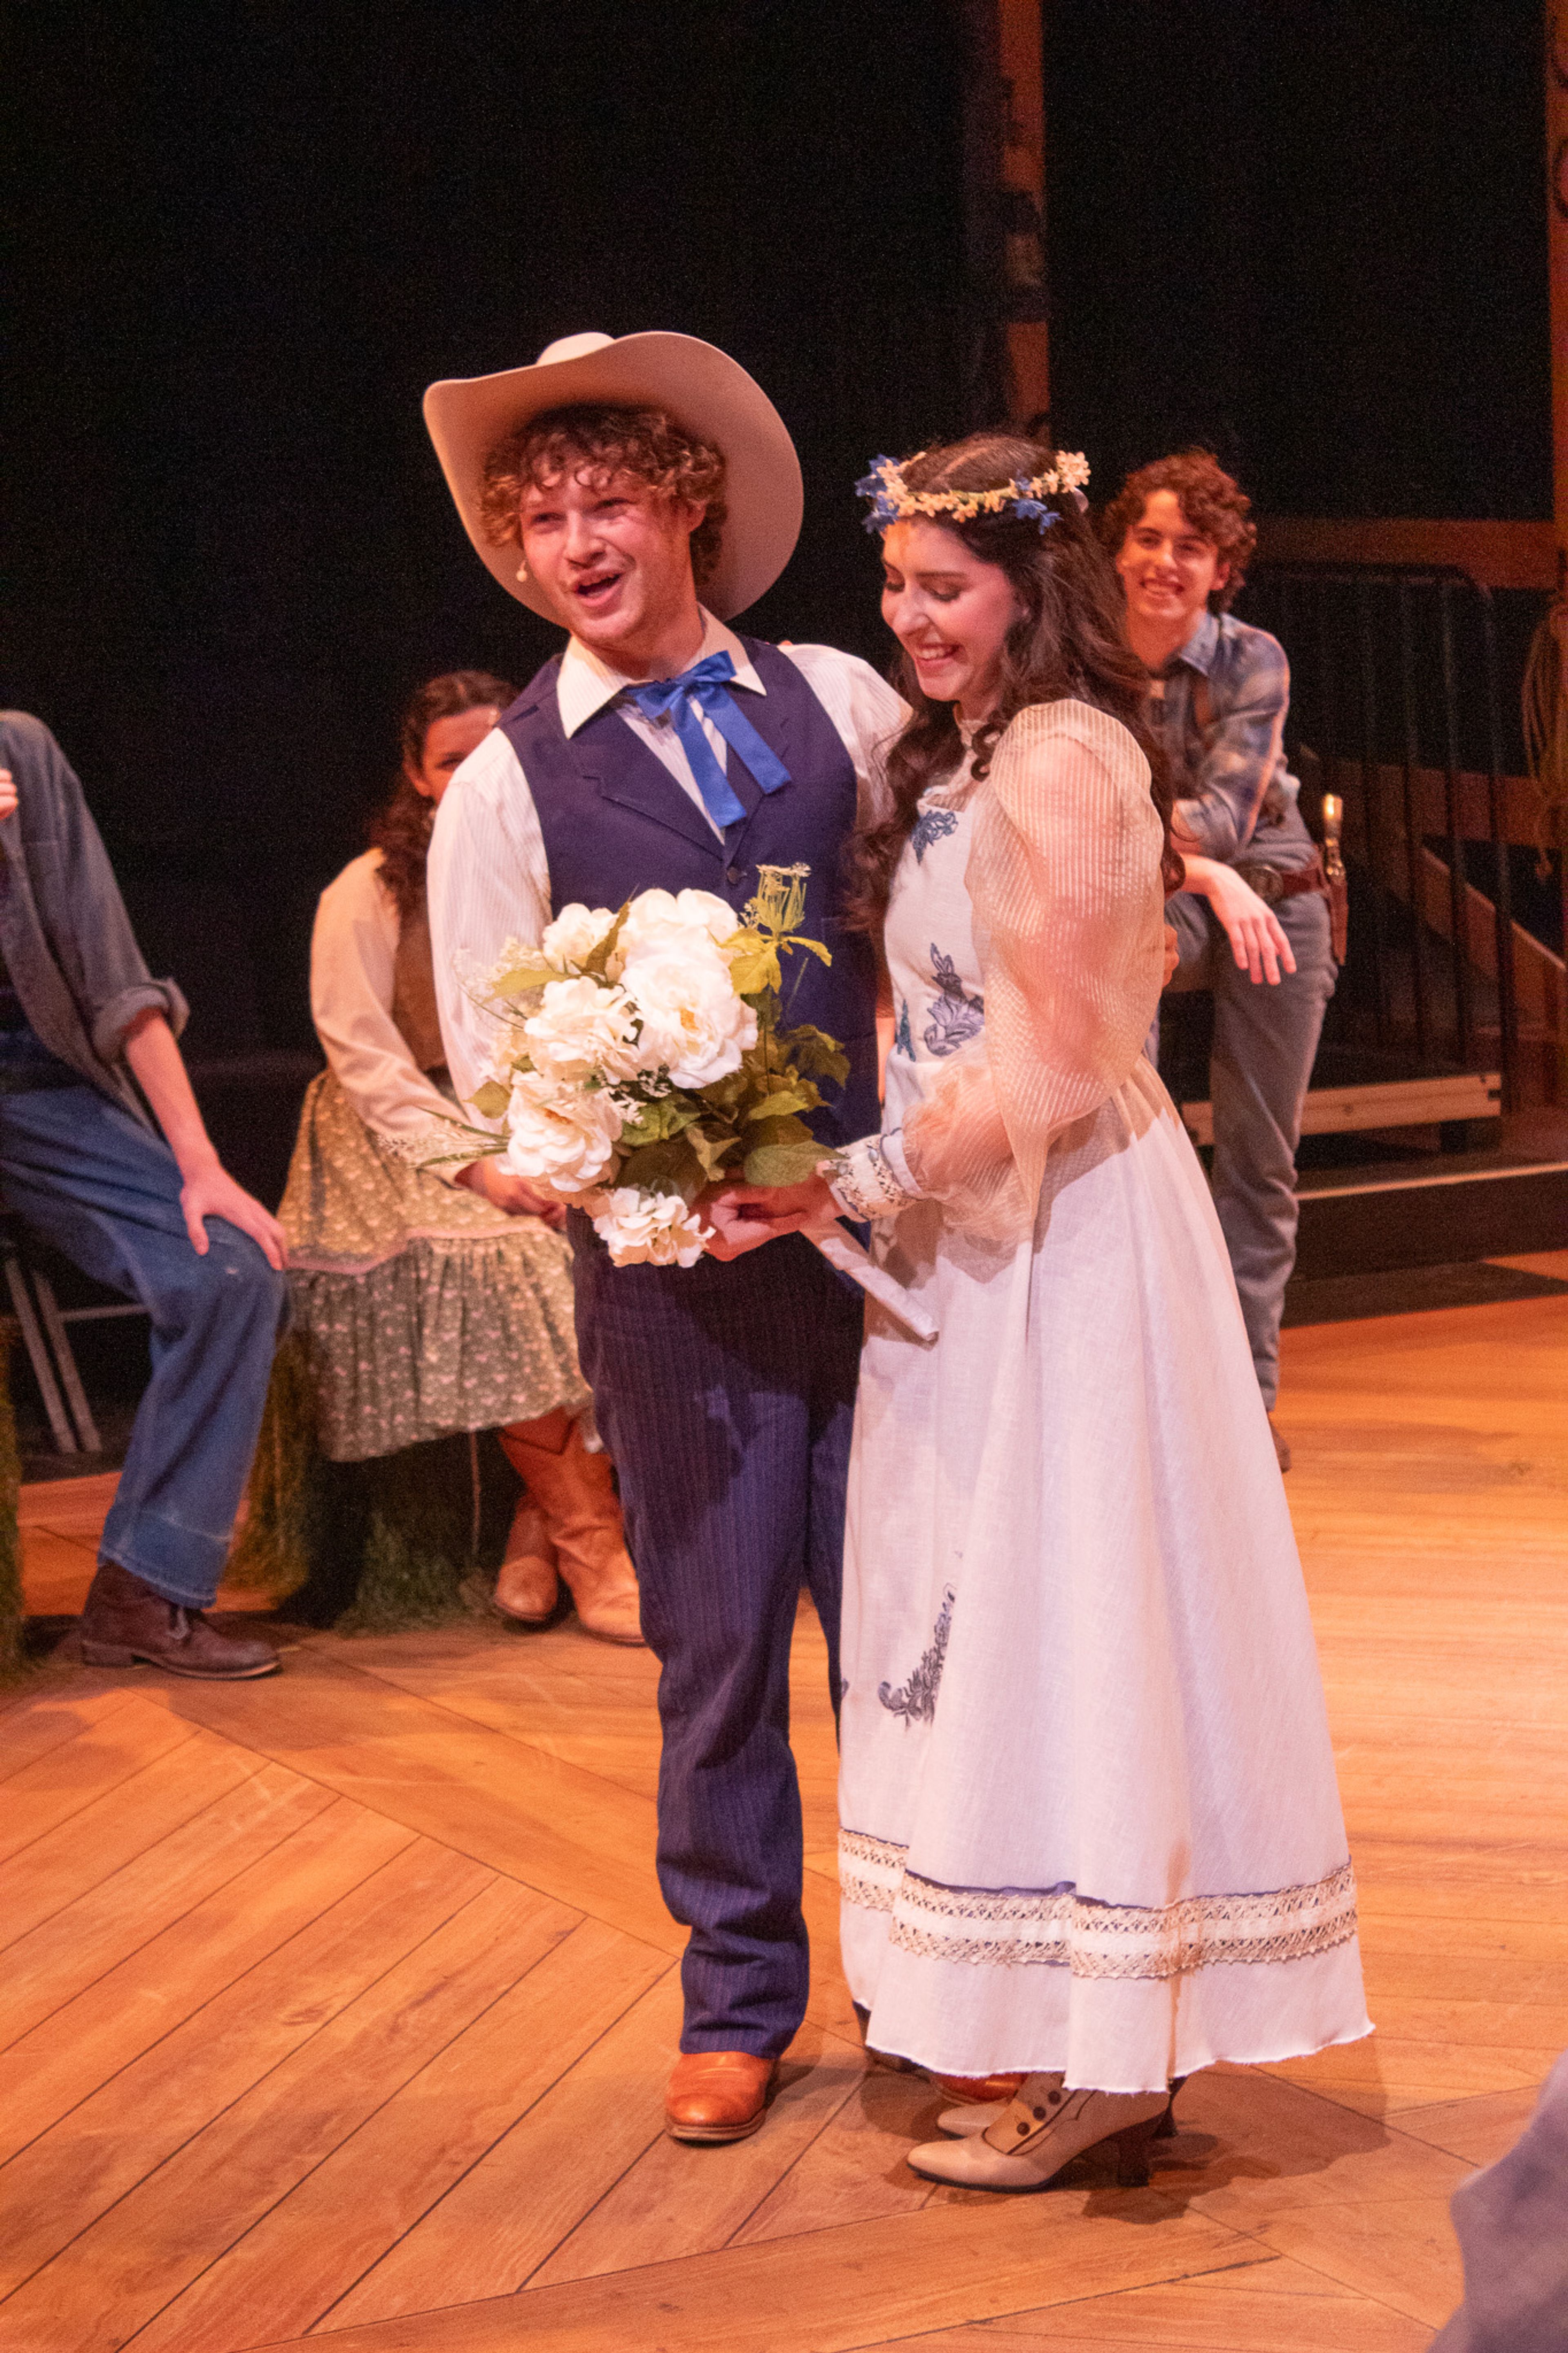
[424, 1311]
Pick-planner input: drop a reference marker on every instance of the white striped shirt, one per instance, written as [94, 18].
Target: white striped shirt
[488, 879]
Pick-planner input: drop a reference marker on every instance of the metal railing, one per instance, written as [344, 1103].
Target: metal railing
[1395, 705]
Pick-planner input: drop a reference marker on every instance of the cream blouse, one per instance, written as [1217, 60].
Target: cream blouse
[353, 977]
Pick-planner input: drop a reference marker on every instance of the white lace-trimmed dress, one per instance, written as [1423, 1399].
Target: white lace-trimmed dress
[1090, 1816]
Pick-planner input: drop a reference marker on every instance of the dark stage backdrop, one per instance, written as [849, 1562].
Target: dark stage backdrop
[251, 235]
[1308, 233]
[1311, 233]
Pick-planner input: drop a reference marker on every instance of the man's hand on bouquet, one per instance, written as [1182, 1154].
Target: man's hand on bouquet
[744, 1217]
[506, 1192]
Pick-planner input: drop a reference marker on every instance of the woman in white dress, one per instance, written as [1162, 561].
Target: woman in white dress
[1091, 1829]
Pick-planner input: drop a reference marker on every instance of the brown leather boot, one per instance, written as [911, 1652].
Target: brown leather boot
[125, 1623]
[717, 2095]
[526, 1585]
[575, 1492]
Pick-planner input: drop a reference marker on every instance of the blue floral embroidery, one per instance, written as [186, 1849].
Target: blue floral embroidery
[955, 1018]
[931, 825]
[903, 1043]
[916, 1699]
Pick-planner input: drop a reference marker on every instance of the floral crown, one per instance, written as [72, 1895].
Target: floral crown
[892, 500]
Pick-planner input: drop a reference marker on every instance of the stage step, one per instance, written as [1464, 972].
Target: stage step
[1398, 1102]
[1474, 1205]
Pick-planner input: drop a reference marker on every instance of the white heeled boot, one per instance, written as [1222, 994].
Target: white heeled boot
[1041, 2131]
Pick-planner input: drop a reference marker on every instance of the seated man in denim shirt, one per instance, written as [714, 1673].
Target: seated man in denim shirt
[1179, 534]
[87, 1042]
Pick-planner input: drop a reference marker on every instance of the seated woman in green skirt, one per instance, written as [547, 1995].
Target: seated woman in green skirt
[434, 1301]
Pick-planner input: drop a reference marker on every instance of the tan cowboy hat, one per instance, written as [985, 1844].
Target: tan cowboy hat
[699, 386]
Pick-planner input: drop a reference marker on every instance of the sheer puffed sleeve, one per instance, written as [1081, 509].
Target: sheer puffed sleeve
[1064, 878]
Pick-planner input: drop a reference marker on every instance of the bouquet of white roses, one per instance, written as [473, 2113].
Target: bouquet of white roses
[643, 1060]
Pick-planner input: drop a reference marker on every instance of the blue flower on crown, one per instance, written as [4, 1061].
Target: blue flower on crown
[1035, 509]
[884, 501]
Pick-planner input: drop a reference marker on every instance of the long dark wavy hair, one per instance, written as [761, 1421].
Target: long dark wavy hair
[401, 830]
[1070, 642]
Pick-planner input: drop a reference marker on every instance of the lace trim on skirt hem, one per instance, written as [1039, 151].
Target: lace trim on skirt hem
[1057, 1927]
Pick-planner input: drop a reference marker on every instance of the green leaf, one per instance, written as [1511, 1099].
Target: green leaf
[755, 969]
[782, 1101]
[523, 980]
[711, 1150]
[798, 940]
[786, 1129]
[811, 1049]
[597, 963]
[783, 1164]
[656, 1121]
[491, 1100]
[725, 1093]
[671, 1166]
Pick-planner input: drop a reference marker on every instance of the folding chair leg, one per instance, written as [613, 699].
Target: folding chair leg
[65, 1357]
[39, 1356]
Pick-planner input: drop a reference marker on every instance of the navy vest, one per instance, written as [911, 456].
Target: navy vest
[616, 822]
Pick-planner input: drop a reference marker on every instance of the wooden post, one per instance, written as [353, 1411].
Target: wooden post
[1022, 64]
[1004, 197]
[1557, 250]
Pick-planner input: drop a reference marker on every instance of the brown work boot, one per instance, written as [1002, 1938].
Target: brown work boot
[717, 2094]
[575, 1492]
[526, 1585]
[124, 1623]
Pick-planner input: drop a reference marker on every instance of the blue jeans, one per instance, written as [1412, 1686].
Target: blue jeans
[726, 1395]
[105, 1191]
[1265, 1043]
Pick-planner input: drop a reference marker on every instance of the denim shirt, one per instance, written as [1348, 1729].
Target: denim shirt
[64, 937]
[1234, 794]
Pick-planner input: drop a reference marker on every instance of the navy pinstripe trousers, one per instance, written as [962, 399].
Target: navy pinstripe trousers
[725, 1394]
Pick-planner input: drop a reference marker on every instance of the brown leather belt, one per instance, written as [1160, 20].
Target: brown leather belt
[1273, 883]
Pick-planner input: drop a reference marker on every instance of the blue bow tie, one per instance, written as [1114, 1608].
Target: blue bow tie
[706, 684]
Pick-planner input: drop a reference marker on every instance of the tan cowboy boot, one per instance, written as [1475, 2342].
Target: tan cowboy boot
[526, 1586]
[1043, 2130]
[575, 1492]
[716, 2095]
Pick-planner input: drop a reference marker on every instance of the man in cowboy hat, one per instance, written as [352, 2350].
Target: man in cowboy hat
[641, 492]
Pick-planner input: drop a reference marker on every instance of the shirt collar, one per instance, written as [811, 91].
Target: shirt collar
[587, 682]
[1201, 647]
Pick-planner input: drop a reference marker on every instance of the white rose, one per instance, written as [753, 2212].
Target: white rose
[576, 931]
[658, 919]
[694, 1025]
[579, 1029]
[655, 1228]
[562, 1137]
[700, 909]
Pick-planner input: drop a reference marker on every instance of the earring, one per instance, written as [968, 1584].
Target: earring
[522, 570]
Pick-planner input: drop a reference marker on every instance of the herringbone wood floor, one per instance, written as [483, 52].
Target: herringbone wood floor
[342, 2003]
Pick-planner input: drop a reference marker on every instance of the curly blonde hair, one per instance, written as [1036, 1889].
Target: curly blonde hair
[595, 441]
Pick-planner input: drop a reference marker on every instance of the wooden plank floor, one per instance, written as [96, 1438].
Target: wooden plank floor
[339, 2005]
